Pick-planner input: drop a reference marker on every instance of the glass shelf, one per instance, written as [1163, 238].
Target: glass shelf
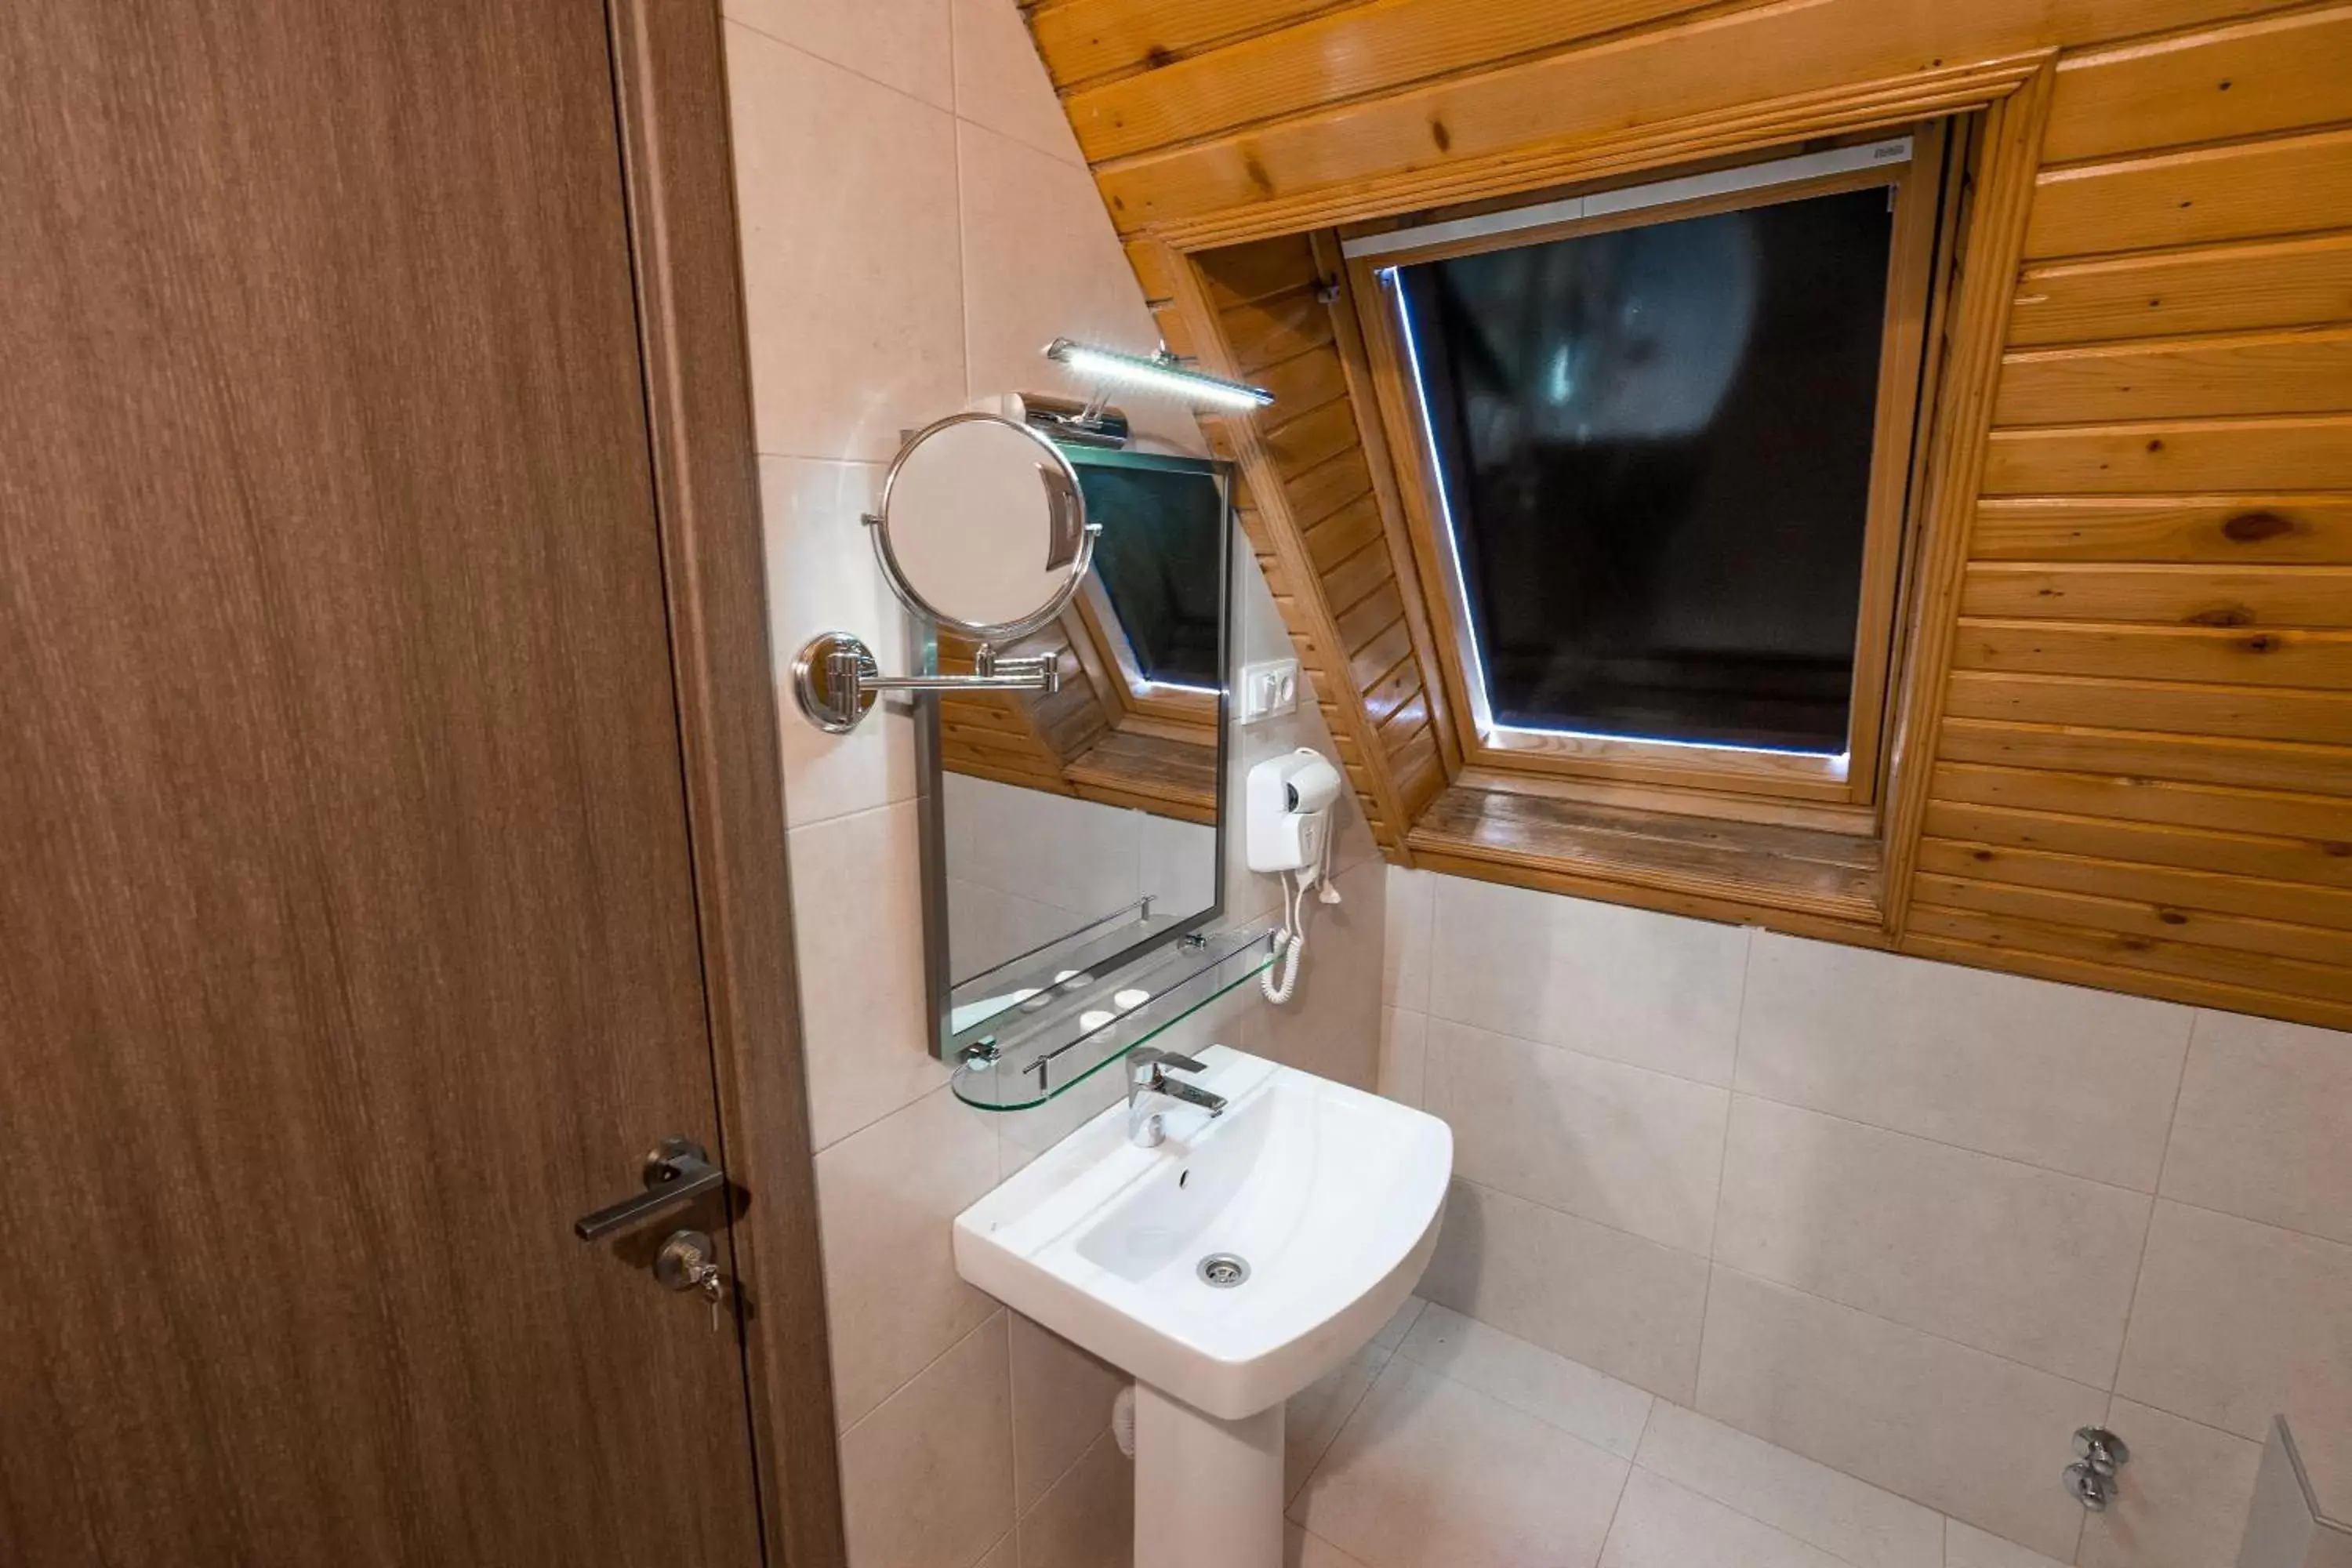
[1031, 1061]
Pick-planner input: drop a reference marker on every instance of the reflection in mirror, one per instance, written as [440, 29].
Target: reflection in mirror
[1081, 827]
[981, 524]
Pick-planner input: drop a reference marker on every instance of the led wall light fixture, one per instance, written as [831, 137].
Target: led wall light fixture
[1162, 372]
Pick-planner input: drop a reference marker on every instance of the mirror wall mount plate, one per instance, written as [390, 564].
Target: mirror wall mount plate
[982, 531]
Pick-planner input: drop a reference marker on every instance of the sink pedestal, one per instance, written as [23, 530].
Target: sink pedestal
[1208, 1493]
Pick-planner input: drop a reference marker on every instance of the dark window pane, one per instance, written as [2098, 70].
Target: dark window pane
[1158, 556]
[1656, 444]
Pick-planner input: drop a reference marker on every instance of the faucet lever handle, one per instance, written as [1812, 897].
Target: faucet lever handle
[1174, 1062]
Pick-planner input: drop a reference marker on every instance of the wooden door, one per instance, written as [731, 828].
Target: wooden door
[348, 935]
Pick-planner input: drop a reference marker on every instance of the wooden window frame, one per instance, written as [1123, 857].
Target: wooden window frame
[1843, 794]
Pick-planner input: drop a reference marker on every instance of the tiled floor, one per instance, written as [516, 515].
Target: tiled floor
[1447, 1444]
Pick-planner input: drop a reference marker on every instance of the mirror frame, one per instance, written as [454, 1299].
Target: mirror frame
[1073, 538]
[930, 771]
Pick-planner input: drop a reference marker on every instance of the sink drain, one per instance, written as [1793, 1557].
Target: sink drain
[1222, 1270]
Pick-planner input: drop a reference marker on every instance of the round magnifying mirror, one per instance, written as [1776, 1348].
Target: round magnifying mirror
[981, 527]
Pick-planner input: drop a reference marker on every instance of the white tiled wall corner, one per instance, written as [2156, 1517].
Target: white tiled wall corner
[1943, 1177]
[917, 224]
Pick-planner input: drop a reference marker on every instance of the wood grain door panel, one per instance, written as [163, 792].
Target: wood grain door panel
[347, 935]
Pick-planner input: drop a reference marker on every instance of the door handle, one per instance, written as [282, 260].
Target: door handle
[676, 1172]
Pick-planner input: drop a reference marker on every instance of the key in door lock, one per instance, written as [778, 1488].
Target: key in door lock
[689, 1261]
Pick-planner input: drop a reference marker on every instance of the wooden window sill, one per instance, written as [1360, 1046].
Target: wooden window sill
[1805, 879]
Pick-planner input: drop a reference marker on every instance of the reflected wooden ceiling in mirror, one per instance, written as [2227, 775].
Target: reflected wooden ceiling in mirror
[2121, 732]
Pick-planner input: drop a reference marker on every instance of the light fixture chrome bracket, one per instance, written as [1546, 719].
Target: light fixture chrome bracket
[837, 682]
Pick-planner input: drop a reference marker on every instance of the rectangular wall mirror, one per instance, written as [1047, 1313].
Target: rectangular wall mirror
[1068, 834]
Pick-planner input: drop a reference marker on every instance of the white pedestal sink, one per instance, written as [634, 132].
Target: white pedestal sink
[1327, 1198]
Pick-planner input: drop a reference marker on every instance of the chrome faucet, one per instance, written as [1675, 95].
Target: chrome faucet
[1147, 1075]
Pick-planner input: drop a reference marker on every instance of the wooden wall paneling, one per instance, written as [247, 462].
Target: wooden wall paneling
[2270, 73]
[1388, 522]
[2176, 595]
[2302, 370]
[2234, 286]
[2220, 655]
[2323, 718]
[2131, 951]
[2266, 856]
[2129, 597]
[2071, 971]
[2186, 528]
[1291, 571]
[2134, 918]
[2165, 887]
[1721, 62]
[2150, 754]
[1357, 53]
[2322, 820]
[1083, 41]
[2281, 184]
[2283, 452]
[1998, 195]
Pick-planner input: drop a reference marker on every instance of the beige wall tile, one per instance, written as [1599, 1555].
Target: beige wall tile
[887, 1196]
[1553, 1389]
[2180, 1502]
[1852, 1520]
[846, 192]
[1412, 908]
[821, 578]
[2011, 1258]
[1966, 1546]
[1087, 1520]
[1959, 1430]
[867, 1040]
[1429, 1472]
[1332, 1025]
[2056, 1076]
[2264, 1107]
[2236, 1322]
[1661, 1525]
[1405, 1041]
[899, 43]
[1000, 83]
[1657, 991]
[927, 1478]
[1040, 262]
[1005, 1554]
[1061, 1403]
[1616, 1302]
[1635, 1149]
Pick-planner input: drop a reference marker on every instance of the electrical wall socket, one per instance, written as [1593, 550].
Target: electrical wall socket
[1269, 690]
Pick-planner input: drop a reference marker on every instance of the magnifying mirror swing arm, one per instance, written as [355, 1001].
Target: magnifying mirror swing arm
[834, 676]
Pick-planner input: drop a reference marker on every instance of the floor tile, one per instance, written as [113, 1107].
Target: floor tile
[1850, 1519]
[1316, 1412]
[1568, 1395]
[1966, 1546]
[1661, 1525]
[1429, 1472]
[1301, 1549]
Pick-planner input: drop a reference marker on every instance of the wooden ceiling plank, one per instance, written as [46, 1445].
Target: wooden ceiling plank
[2267, 856]
[2185, 759]
[2289, 452]
[2180, 594]
[2321, 660]
[2304, 370]
[2183, 528]
[2279, 184]
[2247, 712]
[2163, 886]
[2269, 74]
[2232, 286]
